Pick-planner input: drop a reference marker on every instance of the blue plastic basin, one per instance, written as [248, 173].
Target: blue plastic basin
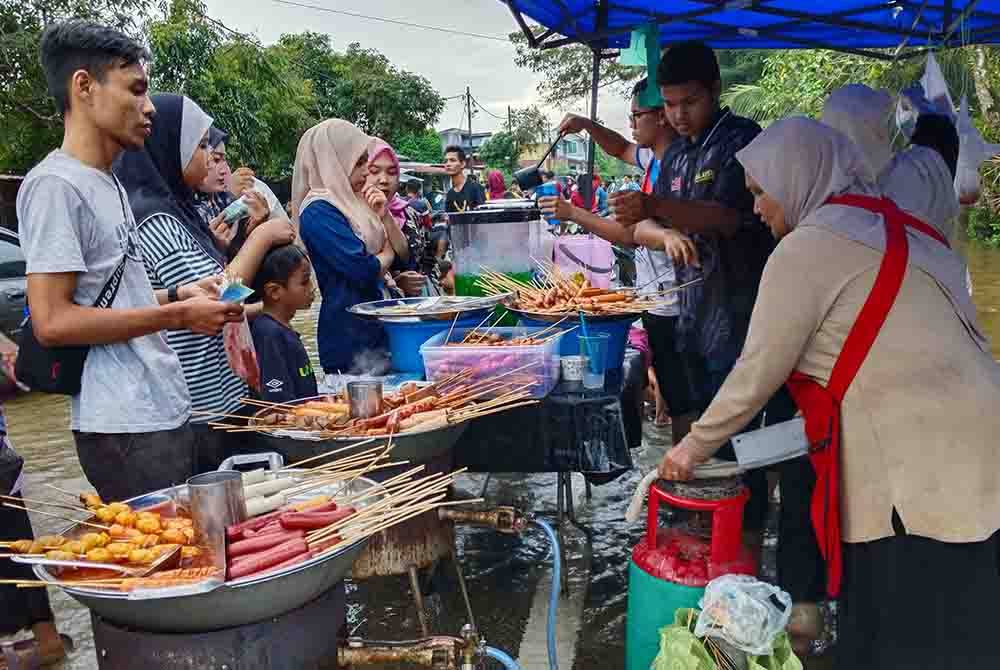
[405, 338]
[617, 330]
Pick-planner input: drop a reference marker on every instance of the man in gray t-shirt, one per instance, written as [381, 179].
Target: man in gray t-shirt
[130, 418]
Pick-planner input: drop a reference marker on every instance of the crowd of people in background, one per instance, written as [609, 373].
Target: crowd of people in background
[129, 227]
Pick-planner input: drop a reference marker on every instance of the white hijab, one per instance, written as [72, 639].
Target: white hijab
[862, 114]
[801, 163]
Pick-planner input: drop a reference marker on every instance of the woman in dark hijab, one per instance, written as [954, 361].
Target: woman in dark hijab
[178, 248]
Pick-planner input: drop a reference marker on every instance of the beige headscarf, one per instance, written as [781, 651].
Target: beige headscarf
[324, 161]
[862, 114]
[801, 163]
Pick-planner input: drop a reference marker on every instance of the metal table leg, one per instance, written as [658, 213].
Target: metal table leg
[561, 516]
[486, 484]
[570, 508]
[462, 586]
[418, 599]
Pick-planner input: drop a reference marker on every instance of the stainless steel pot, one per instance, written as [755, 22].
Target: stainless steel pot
[234, 603]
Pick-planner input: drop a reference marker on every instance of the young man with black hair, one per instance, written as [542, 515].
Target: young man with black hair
[78, 233]
[701, 191]
[465, 194]
[652, 137]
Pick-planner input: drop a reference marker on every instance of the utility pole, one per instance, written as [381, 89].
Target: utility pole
[468, 103]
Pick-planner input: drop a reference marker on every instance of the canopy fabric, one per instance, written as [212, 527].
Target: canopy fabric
[846, 25]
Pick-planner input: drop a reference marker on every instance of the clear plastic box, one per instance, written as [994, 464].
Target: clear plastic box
[519, 365]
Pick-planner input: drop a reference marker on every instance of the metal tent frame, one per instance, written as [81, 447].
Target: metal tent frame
[903, 28]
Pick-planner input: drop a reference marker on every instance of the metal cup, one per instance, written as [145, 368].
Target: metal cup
[365, 398]
[216, 502]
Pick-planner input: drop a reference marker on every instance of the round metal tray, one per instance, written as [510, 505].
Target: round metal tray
[414, 446]
[573, 317]
[434, 308]
[231, 604]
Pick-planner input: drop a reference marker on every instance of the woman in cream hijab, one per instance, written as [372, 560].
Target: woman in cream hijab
[920, 474]
[862, 114]
[341, 220]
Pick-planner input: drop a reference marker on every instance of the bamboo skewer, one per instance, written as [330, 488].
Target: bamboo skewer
[297, 465]
[57, 516]
[76, 508]
[266, 404]
[74, 496]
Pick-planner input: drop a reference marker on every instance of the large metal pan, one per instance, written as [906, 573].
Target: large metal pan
[571, 318]
[416, 446]
[234, 603]
[434, 308]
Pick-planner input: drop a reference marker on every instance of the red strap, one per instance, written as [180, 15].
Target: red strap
[883, 294]
[887, 207]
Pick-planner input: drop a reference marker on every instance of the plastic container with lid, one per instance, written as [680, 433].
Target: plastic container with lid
[537, 363]
[502, 235]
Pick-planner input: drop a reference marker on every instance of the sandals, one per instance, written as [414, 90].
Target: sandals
[813, 628]
[26, 654]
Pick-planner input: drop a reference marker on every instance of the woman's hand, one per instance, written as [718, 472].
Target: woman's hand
[553, 206]
[222, 232]
[258, 208]
[276, 231]
[241, 181]
[375, 198]
[412, 283]
[679, 463]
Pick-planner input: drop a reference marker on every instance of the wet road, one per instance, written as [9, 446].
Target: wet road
[508, 577]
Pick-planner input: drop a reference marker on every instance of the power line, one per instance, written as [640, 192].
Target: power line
[480, 106]
[396, 22]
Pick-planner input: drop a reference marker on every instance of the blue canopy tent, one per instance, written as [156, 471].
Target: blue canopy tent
[900, 28]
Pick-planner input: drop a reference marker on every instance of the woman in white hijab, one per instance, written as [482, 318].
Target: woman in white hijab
[919, 472]
[862, 114]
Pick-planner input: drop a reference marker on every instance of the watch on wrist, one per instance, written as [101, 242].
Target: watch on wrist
[172, 293]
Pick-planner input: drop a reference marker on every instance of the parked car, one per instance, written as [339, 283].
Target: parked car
[13, 283]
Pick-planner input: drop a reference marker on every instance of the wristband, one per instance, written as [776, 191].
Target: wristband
[172, 293]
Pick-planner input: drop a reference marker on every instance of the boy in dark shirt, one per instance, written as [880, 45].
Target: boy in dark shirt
[464, 194]
[284, 281]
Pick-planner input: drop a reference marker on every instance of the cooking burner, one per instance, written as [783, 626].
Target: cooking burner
[303, 639]
[704, 489]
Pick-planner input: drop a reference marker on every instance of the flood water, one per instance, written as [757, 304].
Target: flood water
[508, 577]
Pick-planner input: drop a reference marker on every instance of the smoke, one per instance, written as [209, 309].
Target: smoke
[370, 363]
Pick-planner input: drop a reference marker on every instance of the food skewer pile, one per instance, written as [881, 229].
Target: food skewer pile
[553, 292]
[456, 398]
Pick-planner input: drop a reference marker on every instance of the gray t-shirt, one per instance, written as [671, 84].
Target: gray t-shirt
[75, 218]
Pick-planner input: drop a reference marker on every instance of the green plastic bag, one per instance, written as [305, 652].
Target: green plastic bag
[681, 650]
[644, 51]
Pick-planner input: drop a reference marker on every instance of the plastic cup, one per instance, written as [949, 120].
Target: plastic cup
[546, 190]
[594, 350]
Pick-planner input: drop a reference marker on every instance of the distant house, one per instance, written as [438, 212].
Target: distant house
[569, 156]
[451, 137]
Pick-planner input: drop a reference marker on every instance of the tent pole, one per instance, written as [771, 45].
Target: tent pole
[587, 189]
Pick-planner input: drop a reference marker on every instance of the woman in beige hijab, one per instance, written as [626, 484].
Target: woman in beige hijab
[919, 473]
[341, 219]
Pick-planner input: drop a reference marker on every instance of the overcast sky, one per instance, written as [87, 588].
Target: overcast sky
[450, 62]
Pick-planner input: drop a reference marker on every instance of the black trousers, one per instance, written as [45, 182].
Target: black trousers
[671, 373]
[124, 465]
[19, 608]
[913, 603]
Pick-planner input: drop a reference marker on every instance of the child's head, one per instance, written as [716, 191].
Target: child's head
[285, 278]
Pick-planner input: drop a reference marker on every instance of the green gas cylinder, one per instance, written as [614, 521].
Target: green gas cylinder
[671, 567]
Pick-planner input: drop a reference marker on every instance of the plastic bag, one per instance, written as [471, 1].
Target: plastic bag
[928, 96]
[745, 612]
[241, 354]
[972, 153]
[236, 337]
[681, 649]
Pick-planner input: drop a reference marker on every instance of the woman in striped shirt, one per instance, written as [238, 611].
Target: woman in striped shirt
[178, 248]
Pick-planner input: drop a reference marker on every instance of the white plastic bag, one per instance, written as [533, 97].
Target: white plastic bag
[972, 153]
[745, 612]
[928, 96]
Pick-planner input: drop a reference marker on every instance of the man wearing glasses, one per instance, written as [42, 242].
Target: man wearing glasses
[652, 137]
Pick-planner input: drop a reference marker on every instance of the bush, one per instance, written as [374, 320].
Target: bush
[984, 226]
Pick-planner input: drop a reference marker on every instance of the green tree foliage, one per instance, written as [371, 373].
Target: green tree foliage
[29, 124]
[500, 152]
[265, 97]
[423, 147]
[609, 166]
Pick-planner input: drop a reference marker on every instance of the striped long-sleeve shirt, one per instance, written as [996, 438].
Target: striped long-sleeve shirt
[173, 256]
